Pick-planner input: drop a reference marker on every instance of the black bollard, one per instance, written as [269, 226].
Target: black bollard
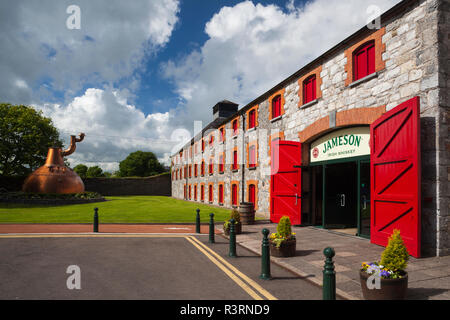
[211, 228]
[329, 275]
[232, 252]
[197, 222]
[95, 219]
[265, 256]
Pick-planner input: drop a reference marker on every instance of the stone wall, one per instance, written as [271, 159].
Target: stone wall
[410, 62]
[152, 186]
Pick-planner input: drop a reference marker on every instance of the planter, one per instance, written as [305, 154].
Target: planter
[247, 213]
[286, 249]
[390, 289]
[237, 228]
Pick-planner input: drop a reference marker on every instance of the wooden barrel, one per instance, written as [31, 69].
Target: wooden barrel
[247, 213]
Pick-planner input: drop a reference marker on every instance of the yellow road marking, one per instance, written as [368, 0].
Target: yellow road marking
[233, 277]
[255, 285]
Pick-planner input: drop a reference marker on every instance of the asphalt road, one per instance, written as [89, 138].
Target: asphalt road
[155, 268]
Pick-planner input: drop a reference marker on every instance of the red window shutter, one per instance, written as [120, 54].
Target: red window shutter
[195, 170]
[203, 168]
[252, 157]
[309, 89]
[195, 192]
[202, 192]
[210, 193]
[276, 107]
[235, 127]
[395, 169]
[235, 160]
[189, 192]
[222, 135]
[221, 193]
[184, 192]
[203, 145]
[251, 193]
[364, 61]
[234, 194]
[252, 119]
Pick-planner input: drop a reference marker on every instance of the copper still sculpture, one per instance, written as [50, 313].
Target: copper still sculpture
[54, 176]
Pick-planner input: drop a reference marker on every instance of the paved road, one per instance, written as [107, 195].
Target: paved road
[140, 267]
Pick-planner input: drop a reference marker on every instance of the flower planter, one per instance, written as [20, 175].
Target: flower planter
[286, 249]
[390, 289]
[237, 229]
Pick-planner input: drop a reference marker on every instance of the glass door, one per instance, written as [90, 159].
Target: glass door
[364, 199]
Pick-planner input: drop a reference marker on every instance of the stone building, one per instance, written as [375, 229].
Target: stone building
[356, 140]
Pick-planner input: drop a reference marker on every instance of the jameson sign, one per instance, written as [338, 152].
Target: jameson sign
[344, 143]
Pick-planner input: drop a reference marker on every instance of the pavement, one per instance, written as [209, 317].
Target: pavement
[429, 277]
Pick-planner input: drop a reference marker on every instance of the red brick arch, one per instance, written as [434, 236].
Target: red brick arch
[359, 116]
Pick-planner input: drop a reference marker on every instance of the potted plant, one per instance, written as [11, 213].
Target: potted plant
[387, 279]
[283, 243]
[237, 225]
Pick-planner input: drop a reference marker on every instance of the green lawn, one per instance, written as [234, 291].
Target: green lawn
[124, 209]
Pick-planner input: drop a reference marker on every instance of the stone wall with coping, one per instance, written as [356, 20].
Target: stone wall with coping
[411, 57]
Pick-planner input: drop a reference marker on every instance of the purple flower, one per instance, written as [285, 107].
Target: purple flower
[385, 274]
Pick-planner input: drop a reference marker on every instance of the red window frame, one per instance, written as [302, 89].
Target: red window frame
[195, 192]
[202, 192]
[252, 119]
[234, 194]
[309, 89]
[276, 107]
[364, 60]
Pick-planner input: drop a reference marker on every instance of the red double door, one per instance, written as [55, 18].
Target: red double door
[395, 177]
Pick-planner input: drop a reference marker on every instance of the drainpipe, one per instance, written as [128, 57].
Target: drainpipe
[243, 159]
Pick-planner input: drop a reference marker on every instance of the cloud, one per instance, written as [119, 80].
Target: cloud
[113, 127]
[252, 47]
[41, 59]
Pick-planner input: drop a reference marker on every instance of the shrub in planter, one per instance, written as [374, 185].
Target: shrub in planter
[237, 225]
[283, 243]
[389, 279]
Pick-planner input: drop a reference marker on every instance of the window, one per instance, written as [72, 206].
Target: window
[190, 171]
[235, 161]
[309, 89]
[203, 145]
[202, 168]
[252, 156]
[252, 119]
[220, 193]
[234, 194]
[195, 192]
[202, 193]
[252, 194]
[189, 192]
[210, 193]
[235, 127]
[211, 139]
[195, 170]
[221, 135]
[211, 166]
[221, 163]
[276, 107]
[364, 61]
[184, 191]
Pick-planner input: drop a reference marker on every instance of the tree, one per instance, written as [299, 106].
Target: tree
[94, 172]
[140, 164]
[25, 136]
[81, 170]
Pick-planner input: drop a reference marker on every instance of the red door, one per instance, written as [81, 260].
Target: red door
[285, 181]
[395, 172]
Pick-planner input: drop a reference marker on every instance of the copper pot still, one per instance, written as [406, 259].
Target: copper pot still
[54, 176]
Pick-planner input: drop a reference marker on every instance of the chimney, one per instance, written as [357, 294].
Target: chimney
[224, 109]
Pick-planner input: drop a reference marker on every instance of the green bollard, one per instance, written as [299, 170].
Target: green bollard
[95, 219]
[232, 252]
[265, 256]
[197, 222]
[329, 275]
[211, 228]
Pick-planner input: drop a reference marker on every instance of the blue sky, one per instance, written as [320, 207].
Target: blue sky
[137, 74]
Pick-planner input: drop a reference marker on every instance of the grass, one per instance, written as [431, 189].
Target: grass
[123, 209]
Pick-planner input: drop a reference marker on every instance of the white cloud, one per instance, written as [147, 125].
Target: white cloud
[114, 39]
[252, 47]
[113, 127]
